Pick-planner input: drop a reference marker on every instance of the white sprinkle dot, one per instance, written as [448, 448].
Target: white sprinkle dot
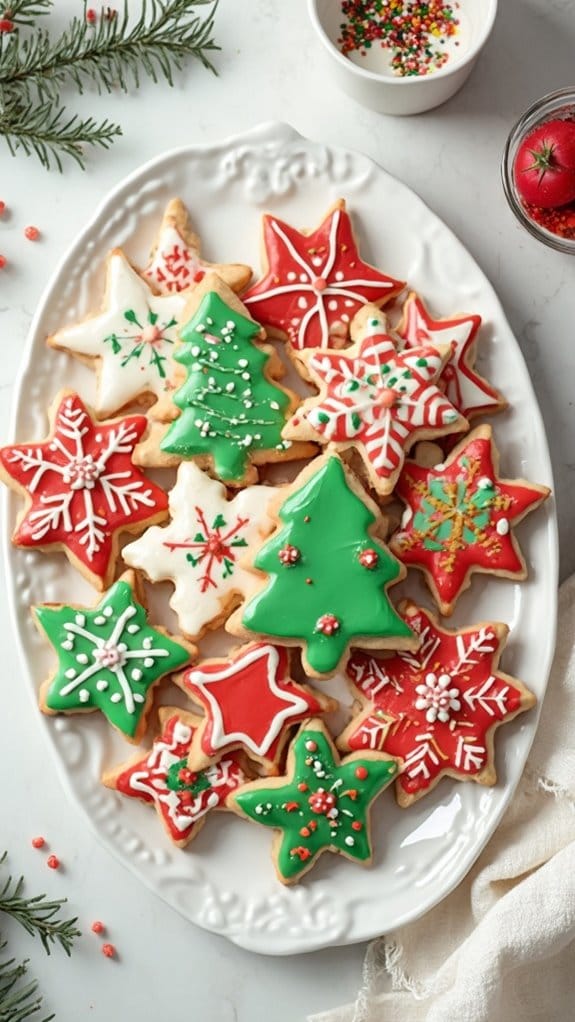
[100, 620]
[350, 841]
[502, 526]
[83, 658]
[108, 611]
[115, 698]
[136, 674]
[83, 695]
[101, 684]
[70, 673]
[80, 619]
[148, 661]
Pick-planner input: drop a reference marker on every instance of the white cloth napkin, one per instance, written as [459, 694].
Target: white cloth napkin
[501, 947]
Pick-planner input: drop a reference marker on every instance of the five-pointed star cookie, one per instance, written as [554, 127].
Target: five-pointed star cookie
[175, 263]
[109, 658]
[321, 804]
[459, 517]
[200, 550]
[436, 709]
[469, 392]
[375, 399]
[82, 488]
[250, 703]
[182, 798]
[315, 283]
[131, 341]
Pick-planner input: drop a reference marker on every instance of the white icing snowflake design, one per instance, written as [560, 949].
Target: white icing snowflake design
[438, 697]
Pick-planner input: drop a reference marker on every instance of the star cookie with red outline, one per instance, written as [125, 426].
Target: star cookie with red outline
[459, 518]
[250, 703]
[375, 399]
[436, 709]
[181, 797]
[315, 283]
[81, 488]
[175, 263]
[469, 392]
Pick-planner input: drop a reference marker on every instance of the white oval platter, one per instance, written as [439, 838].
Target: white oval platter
[225, 881]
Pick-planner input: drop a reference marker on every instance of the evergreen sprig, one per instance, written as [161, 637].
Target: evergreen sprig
[24, 12]
[38, 916]
[114, 53]
[18, 1001]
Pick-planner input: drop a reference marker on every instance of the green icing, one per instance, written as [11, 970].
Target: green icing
[175, 783]
[303, 813]
[108, 657]
[228, 407]
[329, 544]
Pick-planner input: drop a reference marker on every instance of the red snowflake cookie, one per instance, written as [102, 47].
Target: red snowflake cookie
[435, 709]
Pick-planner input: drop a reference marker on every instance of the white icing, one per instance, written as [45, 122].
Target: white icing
[122, 378]
[195, 490]
[438, 697]
[503, 526]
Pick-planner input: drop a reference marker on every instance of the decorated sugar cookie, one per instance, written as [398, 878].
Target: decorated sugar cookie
[469, 392]
[109, 658]
[315, 283]
[231, 411]
[182, 798]
[175, 263]
[200, 550]
[250, 703]
[81, 488]
[459, 518]
[436, 709]
[131, 341]
[324, 575]
[375, 399]
[321, 804]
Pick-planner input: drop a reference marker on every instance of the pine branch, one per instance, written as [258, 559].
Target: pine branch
[17, 1001]
[46, 131]
[24, 12]
[38, 916]
[111, 53]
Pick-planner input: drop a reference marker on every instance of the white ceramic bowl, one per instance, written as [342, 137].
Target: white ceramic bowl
[370, 80]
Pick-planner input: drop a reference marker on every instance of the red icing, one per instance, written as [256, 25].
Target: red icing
[335, 284]
[418, 327]
[475, 540]
[255, 701]
[68, 478]
[225, 777]
[392, 723]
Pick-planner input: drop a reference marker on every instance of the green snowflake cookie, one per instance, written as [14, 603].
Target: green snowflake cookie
[109, 659]
[321, 805]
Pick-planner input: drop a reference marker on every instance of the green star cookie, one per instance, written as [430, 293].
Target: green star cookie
[109, 658]
[321, 804]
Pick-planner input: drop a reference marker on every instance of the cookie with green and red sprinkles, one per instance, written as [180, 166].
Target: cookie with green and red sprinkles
[321, 804]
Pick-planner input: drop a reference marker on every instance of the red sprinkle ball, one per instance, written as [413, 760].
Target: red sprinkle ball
[3, 261]
[98, 927]
[109, 950]
[38, 842]
[415, 32]
[32, 233]
[53, 862]
[91, 16]
[2, 207]
[6, 25]
[327, 624]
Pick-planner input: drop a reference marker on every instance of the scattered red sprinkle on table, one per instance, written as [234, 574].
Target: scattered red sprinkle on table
[38, 842]
[2, 207]
[416, 32]
[3, 261]
[53, 862]
[32, 233]
[98, 927]
[109, 950]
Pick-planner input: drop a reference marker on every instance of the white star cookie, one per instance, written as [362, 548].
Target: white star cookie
[175, 263]
[132, 339]
[200, 550]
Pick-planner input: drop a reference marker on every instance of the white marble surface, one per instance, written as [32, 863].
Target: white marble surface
[269, 69]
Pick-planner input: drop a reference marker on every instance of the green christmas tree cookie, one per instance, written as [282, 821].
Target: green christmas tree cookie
[232, 412]
[321, 804]
[109, 658]
[327, 575]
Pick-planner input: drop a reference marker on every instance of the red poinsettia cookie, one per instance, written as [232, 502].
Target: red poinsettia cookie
[314, 283]
[437, 709]
[459, 518]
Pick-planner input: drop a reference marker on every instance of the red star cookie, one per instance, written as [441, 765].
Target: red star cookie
[250, 702]
[437, 709]
[375, 399]
[469, 392]
[315, 283]
[459, 518]
[81, 488]
[162, 778]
